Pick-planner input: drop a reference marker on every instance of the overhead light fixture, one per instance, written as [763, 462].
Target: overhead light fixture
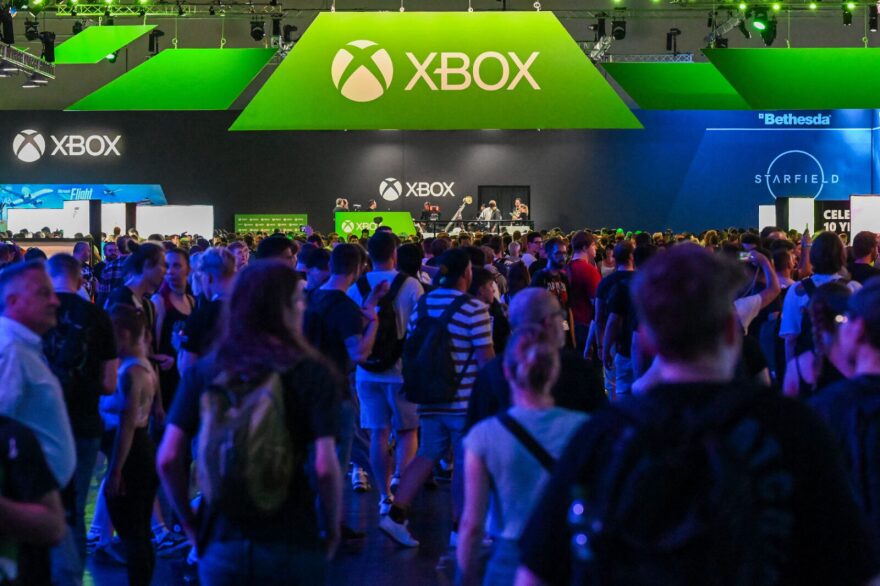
[180, 11]
[78, 27]
[258, 29]
[777, 7]
[672, 40]
[812, 6]
[721, 43]
[769, 32]
[759, 22]
[211, 10]
[31, 30]
[872, 17]
[618, 25]
[48, 40]
[847, 14]
[744, 29]
[153, 40]
[7, 33]
[111, 57]
[287, 36]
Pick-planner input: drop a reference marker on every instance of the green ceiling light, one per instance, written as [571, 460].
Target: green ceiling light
[760, 20]
[743, 6]
[777, 7]
[111, 57]
[813, 6]
[851, 5]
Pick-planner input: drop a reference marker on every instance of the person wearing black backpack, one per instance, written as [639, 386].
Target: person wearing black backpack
[379, 378]
[703, 480]
[81, 350]
[449, 339]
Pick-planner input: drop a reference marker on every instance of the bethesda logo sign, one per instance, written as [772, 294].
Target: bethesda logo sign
[391, 189]
[796, 173]
[794, 119]
[362, 71]
[29, 145]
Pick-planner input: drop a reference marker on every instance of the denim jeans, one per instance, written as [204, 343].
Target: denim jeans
[501, 569]
[623, 375]
[86, 456]
[230, 563]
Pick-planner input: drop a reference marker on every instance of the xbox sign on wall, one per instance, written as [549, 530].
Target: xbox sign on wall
[435, 71]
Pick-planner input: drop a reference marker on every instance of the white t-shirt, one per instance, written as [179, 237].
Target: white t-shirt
[528, 258]
[404, 304]
[793, 305]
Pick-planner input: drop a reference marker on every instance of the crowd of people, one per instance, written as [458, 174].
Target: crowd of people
[612, 407]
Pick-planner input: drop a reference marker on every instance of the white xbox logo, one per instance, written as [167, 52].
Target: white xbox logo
[28, 146]
[390, 189]
[362, 71]
[348, 226]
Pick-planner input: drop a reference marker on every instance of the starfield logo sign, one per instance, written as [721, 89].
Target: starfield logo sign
[362, 71]
[795, 120]
[796, 173]
[29, 145]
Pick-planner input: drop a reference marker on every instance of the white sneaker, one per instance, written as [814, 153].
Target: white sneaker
[385, 505]
[360, 482]
[397, 531]
[395, 482]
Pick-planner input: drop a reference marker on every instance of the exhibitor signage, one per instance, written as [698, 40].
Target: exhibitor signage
[270, 222]
[348, 223]
[29, 145]
[435, 71]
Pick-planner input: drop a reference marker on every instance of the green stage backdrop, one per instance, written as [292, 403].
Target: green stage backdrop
[435, 71]
[269, 222]
[96, 42]
[354, 222]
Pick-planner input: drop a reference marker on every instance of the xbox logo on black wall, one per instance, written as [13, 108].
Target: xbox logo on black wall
[390, 189]
[28, 146]
[362, 71]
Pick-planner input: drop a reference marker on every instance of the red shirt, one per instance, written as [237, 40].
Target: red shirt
[584, 279]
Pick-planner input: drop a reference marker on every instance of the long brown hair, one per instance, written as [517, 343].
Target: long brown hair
[256, 336]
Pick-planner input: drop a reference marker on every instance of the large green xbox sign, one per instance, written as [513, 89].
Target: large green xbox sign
[432, 71]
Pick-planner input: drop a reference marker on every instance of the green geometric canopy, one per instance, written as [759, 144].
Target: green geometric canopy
[435, 71]
[96, 42]
[676, 86]
[181, 79]
[802, 79]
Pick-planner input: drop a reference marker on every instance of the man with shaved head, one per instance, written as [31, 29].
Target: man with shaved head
[580, 383]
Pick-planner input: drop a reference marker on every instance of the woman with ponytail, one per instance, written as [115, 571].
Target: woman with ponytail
[508, 458]
[826, 363]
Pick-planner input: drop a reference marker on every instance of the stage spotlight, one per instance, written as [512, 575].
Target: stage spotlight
[721, 43]
[153, 42]
[180, 11]
[211, 10]
[111, 57]
[7, 33]
[289, 29]
[618, 27]
[744, 29]
[672, 40]
[760, 21]
[813, 6]
[769, 32]
[258, 29]
[872, 18]
[78, 27]
[31, 30]
[847, 15]
[48, 40]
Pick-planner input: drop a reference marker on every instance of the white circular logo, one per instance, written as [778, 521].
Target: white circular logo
[796, 172]
[390, 189]
[348, 226]
[28, 146]
[362, 71]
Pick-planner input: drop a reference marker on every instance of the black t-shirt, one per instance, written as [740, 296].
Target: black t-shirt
[620, 302]
[331, 318]
[554, 281]
[826, 543]
[312, 409]
[579, 388]
[24, 478]
[862, 272]
[75, 349]
[201, 327]
[608, 283]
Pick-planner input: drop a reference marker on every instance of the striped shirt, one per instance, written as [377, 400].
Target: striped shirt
[470, 329]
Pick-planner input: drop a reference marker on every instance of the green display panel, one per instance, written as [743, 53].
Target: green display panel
[270, 222]
[435, 71]
[676, 86]
[802, 79]
[354, 222]
[96, 42]
[181, 79]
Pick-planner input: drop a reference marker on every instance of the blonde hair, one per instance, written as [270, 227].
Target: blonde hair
[531, 362]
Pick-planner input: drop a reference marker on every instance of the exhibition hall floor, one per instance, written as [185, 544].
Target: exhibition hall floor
[376, 560]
